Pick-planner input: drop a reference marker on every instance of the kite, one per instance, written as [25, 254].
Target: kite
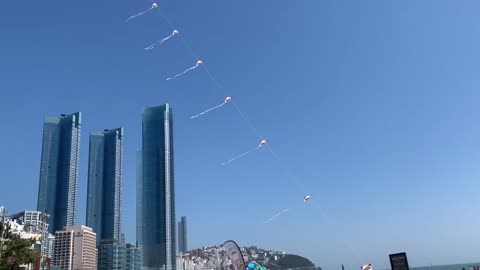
[151, 47]
[227, 99]
[308, 197]
[199, 62]
[154, 5]
[276, 215]
[262, 143]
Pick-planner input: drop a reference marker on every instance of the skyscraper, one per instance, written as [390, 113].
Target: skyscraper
[57, 191]
[182, 235]
[156, 220]
[104, 184]
[104, 196]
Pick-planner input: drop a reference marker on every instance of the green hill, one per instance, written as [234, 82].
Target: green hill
[291, 262]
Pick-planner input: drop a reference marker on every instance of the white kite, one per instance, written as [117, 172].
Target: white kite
[227, 99]
[154, 5]
[199, 62]
[308, 197]
[151, 47]
[262, 143]
[276, 215]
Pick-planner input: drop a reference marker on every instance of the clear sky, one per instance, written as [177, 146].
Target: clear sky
[371, 106]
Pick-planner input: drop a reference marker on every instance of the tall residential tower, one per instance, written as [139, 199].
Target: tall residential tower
[104, 196]
[57, 191]
[104, 184]
[182, 235]
[156, 196]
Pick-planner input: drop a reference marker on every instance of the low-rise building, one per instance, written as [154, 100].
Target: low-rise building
[75, 249]
[35, 222]
[133, 259]
[111, 255]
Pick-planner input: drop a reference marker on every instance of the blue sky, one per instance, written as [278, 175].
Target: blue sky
[372, 106]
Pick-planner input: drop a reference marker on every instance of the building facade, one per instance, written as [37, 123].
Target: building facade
[111, 255]
[133, 260]
[3, 213]
[104, 184]
[182, 235]
[35, 222]
[57, 191]
[156, 220]
[75, 249]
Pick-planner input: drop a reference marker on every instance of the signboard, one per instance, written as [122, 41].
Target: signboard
[399, 261]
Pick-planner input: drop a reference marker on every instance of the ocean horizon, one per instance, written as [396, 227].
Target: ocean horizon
[445, 267]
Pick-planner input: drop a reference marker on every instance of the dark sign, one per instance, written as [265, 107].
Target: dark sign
[399, 261]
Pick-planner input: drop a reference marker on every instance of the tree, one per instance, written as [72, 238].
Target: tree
[15, 250]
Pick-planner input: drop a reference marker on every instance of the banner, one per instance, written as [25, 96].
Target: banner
[233, 253]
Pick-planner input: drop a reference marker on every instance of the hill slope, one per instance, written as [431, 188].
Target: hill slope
[290, 262]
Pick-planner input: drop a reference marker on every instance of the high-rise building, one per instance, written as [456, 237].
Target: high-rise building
[104, 184]
[139, 198]
[104, 196]
[182, 235]
[57, 191]
[75, 248]
[156, 231]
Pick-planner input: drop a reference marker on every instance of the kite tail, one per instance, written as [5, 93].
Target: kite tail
[204, 112]
[180, 74]
[141, 13]
[276, 215]
[239, 156]
[157, 43]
